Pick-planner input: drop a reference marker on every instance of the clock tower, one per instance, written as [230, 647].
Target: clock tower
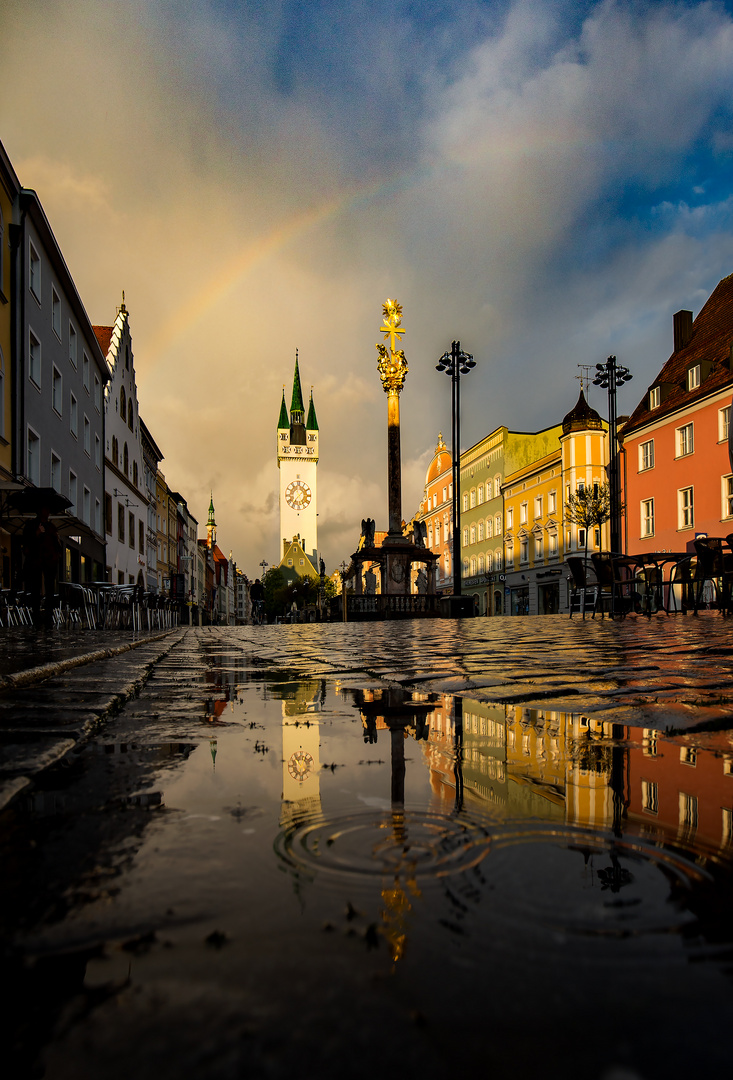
[297, 459]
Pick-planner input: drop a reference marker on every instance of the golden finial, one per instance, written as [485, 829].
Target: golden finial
[392, 364]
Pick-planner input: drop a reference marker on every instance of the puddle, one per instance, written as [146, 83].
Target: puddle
[305, 832]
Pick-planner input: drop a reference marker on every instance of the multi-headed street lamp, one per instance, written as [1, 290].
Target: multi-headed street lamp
[610, 375]
[456, 363]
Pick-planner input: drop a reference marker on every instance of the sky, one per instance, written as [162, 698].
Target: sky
[545, 182]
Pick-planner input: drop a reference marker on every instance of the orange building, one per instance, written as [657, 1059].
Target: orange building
[436, 511]
[677, 474]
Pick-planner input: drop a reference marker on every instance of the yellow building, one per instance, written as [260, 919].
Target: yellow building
[537, 537]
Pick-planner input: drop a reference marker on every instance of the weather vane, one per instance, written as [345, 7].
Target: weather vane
[392, 364]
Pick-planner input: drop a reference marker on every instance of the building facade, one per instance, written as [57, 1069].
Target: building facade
[59, 378]
[152, 457]
[677, 473]
[436, 513]
[126, 500]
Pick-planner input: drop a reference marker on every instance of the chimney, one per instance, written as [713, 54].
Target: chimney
[682, 329]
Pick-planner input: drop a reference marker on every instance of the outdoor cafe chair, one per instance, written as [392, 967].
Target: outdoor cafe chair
[713, 565]
[584, 592]
[616, 576]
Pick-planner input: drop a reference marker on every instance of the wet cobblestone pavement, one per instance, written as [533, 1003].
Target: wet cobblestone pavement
[424, 847]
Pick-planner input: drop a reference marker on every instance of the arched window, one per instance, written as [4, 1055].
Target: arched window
[125, 460]
[115, 451]
[123, 403]
[134, 473]
[489, 494]
[129, 414]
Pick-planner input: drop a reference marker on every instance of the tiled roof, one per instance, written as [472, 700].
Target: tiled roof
[103, 334]
[710, 346]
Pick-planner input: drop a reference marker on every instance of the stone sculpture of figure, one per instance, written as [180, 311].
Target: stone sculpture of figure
[367, 532]
[422, 582]
[370, 582]
[420, 533]
[322, 568]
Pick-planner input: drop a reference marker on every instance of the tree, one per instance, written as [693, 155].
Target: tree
[589, 508]
[273, 582]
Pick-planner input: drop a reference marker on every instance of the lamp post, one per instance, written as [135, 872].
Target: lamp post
[611, 375]
[456, 363]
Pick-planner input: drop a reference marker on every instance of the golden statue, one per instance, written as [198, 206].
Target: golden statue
[392, 365]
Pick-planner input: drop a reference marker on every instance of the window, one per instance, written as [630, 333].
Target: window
[693, 377]
[430, 536]
[488, 562]
[473, 534]
[130, 419]
[480, 494]
[524, 550]
[86, 504]
[55, 472]
[523, 513]
[445, 494]
[72, 345]
[647, 517]
[480, 531]
[141, 537]
[72, 492]
[581, 538]
[688, 810]
[115, 451]
[121, 523]
[497, 524]
[727, 482]
[688, 756]
[473, 566]
[489, 528]
[55, 313]
[465, 501]
[552, 544]
[480, 564]
[724, 424]
[649, 742]
[646, 455]
[131, 529]
[685, 440]
[87, 436]
[73, 416]
[538, 547]
[33, 457]
[34, 358]
[450, 490]
[538, 506]
[57, 390]
[123, 403]
[509, 518]
[473, 497]
[510, 554]
[97, 394]
[552, 502]
[85, 371]
[649, 797]
[489, 490]
[125, 459]
[685, 508]
[98, 517]
[465, 537]
[97, 452]
[34, 273]
[134, 473]
[497, 560]
[108, 514]
[655, 397]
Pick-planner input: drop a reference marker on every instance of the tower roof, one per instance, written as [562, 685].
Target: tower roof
[581, 417]
[283, 422]
[311, 423]
[211, 511]
[296, 404]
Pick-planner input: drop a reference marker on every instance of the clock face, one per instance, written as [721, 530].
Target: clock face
[297, 495]
[300, 764]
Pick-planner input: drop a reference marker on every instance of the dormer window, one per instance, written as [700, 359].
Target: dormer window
[693, 377]
[654, 397]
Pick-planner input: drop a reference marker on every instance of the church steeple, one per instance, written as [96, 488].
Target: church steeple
[211, 524]
[283, 422]
[311, 423]
[297, 410]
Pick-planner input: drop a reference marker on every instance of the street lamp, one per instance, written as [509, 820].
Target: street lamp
[609, 376]
[456, 363]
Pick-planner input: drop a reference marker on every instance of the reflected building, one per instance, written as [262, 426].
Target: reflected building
[301, 740]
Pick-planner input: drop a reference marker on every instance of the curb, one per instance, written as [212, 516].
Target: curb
[48, 671]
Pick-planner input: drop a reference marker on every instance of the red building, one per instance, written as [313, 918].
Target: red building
[676, 469]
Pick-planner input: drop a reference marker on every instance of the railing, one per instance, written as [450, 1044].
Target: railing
[374, 606]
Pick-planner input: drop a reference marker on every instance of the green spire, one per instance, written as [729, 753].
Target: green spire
[311, 423]
[283, 422]
[211, 511]
[296, 405]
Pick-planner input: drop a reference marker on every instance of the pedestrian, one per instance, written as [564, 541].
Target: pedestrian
[257, 596]
[41, 553]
